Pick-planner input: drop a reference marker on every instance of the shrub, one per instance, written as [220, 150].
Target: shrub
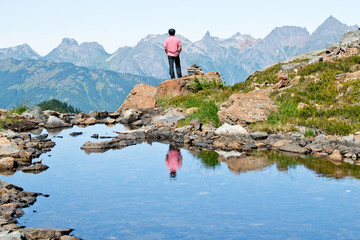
[20, 109]
[58, 106]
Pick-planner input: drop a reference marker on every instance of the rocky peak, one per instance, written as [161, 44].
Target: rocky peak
[286, 36]
[239, 41]
[326, 34]
[19, 52]
[69, 42]
[209, 45]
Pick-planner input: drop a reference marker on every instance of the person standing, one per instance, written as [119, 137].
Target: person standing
[173, 48]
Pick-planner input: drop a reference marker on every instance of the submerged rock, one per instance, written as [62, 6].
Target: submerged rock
[37, 168]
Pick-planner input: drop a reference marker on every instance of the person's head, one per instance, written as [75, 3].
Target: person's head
[173, 175]
[171, 32]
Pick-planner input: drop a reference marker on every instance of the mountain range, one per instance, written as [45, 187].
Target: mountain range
[31, 81]
[235, 57]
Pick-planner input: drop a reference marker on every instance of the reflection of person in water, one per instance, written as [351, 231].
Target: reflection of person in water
[173, 160]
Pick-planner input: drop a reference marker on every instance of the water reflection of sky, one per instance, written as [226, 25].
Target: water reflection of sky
[127, 194]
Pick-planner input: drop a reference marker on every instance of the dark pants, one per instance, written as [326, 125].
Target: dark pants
[175, 60]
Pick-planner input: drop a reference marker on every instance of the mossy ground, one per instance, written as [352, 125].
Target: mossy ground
[328, 108]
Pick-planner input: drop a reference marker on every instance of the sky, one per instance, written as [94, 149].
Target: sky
[117, 23]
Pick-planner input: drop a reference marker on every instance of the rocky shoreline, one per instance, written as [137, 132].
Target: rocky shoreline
[236, 138]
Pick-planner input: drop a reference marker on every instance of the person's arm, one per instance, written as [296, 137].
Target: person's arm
[180, 48]
[166, 50]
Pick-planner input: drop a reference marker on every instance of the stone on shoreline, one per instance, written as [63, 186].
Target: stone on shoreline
[7, 163]
[37, 168]
[54, 122]
[231, 130]
[294, 148]
[44, 233]
[335, 156]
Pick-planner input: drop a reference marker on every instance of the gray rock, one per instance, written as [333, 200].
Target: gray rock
[49, 113]
[349, 138]
[34, 112]
[350, 39]
[196, 123]
[316, 59]
[35, 168]
[130, 116]
[249, 147]
[98, 114]
[95, 136]
[12, 235]
[183, 130]
[348, 160]
[291, 66]
[42, 233]
[8, 149]
[294, 148]
[54, 122]
[168, 118]
[320, 138]
[75, 134]
[231, 130]
[208, 129]
[259, 135]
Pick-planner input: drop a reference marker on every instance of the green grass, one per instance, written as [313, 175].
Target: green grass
[198, 84]
[207, 100]
[20, 109]
[329, 110]
[207, 113]
[6, 120]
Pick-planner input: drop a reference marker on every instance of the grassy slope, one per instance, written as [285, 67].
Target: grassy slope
[328, 108]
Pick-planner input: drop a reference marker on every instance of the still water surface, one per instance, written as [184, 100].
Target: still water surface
[130, 194]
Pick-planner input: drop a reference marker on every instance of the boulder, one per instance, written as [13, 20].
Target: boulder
[7, 148]
[98, 114]
[110, 121]
[196, 123]
[316, 59]
[350, 39]
[49, 113]
[335, 156]
[130, 116]
[12, 235]
[231, 130]
[243, 108]
[34, 112]
[173, 88]
[37, 168]
[259, 135]
[293, 148]
[54, 122]
[7, 163]
[89, 121]
[42, 233]
[142, 96]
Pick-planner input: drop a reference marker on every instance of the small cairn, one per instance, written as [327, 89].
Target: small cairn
[195, 70]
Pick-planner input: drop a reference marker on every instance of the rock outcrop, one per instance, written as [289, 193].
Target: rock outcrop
[142, 96]
[244, 108]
